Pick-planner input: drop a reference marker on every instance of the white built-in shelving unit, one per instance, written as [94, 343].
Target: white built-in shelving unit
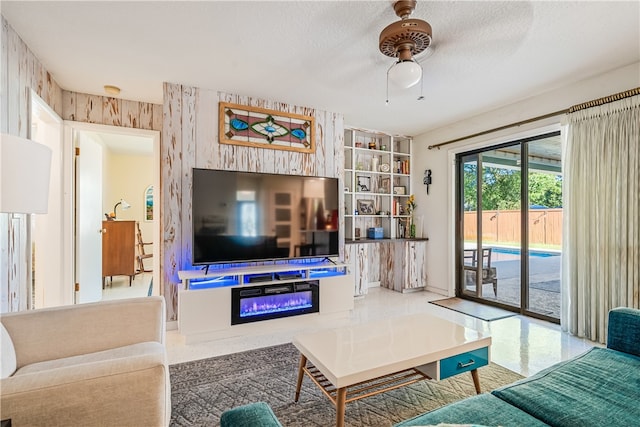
[377, 183]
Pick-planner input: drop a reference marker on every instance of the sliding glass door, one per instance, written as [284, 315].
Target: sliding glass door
[544, 224]
[509, 224]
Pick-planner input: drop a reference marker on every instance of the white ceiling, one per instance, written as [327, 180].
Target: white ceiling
[324, 54]
[124, 144]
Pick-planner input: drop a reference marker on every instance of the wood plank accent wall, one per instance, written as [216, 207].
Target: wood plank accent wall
[20, 71]
[105, 110]
[190, 139]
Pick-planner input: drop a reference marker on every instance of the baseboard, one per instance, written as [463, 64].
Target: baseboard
[410, 290]
[172, 325]
[438, 291]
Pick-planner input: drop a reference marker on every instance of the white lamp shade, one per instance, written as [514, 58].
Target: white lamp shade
[25, 168]
[405, 73]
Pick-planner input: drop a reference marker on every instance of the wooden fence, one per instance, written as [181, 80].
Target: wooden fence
[545, 226]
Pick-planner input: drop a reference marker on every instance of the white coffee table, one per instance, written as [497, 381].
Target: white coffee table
[354, 362]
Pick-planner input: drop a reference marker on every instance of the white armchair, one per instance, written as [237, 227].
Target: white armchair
[85, 365]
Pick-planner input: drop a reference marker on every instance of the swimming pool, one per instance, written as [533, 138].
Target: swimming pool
[532, 252]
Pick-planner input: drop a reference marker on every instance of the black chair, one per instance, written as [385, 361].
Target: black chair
[489, 274]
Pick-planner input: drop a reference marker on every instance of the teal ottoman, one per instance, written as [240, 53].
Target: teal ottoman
[252, 415]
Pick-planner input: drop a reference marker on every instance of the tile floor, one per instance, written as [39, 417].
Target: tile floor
[118, 287]
[522, 344]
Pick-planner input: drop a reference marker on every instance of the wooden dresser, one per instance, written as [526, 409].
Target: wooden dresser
[118, 249]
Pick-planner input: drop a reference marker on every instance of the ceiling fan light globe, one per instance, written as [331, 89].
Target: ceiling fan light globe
[405, 74]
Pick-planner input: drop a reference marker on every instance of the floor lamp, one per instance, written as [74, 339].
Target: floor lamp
[25, 168]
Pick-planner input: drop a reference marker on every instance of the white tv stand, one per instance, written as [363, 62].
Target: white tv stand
[204, 302]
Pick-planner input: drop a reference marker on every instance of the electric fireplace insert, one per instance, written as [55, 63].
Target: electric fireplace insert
[256, 303]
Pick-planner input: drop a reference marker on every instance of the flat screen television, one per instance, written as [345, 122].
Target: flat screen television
[248, 216]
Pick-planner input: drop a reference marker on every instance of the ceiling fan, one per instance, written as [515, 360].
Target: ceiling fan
[404, 40]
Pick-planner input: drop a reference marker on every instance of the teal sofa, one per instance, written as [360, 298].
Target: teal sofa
[598, 388]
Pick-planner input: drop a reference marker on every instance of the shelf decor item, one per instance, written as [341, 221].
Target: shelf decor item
[400, 190]
[364, 183]
[384, 185]
[411, 205]
[375, 161]
[375, 233]
[365, 207]
[263, 128]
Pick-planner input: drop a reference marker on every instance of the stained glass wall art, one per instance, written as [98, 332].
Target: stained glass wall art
[260, 127]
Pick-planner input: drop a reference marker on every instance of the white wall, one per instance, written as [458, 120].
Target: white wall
[127, 177]
[438, 207]
[52, 254]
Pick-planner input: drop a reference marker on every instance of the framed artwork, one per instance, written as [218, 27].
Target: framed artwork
[363, 182]
[365, 207]
[263, 128]
[385, 185]
[400, 189]
[148, 203]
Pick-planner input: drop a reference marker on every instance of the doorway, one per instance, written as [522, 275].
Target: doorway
[116, 171]
[509, 216]
[51, 250]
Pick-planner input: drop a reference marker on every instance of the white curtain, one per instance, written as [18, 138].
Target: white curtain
[601, 230]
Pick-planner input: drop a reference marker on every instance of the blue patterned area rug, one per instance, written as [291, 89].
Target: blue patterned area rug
[202, 390]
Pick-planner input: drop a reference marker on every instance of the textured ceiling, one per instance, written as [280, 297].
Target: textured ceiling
[125, 144]
[324, 54]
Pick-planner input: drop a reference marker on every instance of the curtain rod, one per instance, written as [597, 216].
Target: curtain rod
[578, 107]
